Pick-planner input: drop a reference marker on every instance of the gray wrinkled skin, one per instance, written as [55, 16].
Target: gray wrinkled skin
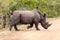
[28, 17]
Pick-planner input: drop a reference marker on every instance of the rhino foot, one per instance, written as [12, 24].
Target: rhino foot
[38, 29]
[17, 30]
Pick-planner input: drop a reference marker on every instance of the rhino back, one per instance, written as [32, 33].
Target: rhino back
[27, 16]
[30, 16]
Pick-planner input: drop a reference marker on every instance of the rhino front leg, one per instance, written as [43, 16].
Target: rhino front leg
[36, 26]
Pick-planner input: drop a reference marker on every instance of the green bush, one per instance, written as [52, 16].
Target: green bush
[50, 7]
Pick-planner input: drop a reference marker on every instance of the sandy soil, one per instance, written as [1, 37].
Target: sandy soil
[52, 33]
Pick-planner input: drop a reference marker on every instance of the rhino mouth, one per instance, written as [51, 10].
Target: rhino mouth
[47, 25]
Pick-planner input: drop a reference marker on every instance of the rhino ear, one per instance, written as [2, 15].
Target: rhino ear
[44, 15]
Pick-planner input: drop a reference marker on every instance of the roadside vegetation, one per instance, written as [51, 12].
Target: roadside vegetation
[50, 7]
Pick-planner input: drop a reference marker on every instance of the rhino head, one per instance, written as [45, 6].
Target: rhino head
[43, 22]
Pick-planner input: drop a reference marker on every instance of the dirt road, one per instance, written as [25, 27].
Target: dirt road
[52, 33]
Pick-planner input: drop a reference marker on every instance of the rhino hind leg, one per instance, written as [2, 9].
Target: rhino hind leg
[10, 27]
[4, 26]
[15, 27]
[30, 26]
